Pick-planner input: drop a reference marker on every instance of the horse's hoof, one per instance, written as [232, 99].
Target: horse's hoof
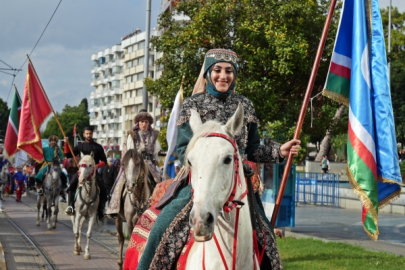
[87, 257]
[49, 228]
[37, 224]
[76, 252]
[42, 220]
[54, 226]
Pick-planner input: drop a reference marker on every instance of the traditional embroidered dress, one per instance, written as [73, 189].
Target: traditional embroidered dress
[167, 230]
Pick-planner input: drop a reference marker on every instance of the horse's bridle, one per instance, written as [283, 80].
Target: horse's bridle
[230, 204]
[141, 176]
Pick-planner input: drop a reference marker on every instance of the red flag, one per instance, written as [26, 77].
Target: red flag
[35, 109]
[10, 142]
[74, 131]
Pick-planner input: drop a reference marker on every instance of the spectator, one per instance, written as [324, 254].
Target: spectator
[325, 164]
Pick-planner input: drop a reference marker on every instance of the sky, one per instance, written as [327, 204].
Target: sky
[78, 29]
[62, 58]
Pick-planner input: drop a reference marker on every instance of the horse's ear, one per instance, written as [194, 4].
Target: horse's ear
[195, 120]
[81, 155]
[124, 150]
[92, 154]
[234, 124]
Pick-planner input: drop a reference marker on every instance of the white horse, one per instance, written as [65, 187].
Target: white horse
[52, 188]
[214, 180]
[86, 203]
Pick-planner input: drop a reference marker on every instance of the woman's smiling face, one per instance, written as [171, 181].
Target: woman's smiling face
[222, 76]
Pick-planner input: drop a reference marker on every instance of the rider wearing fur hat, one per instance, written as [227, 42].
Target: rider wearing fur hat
[145, 141]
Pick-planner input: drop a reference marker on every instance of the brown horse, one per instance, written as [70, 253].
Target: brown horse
[135, 197]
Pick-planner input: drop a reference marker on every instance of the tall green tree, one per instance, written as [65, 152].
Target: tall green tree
[276, 42]
[4, 113]
[69, 116]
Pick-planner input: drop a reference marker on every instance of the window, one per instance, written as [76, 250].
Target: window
[133, 93]
[129, 49]
[136, 47]
[140, 76]
[129, 64]
[134, 77]
[129, 79]
[140, 60]
[139, 92]
[150, 107]
[127, 94]
[141, 45]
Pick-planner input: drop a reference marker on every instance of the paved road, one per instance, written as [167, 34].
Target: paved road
[345, 225]
[56, 244]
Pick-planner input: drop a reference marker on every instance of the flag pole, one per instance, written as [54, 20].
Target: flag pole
[54, 114]
[303, 110]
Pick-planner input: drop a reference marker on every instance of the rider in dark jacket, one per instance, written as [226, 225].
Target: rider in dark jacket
[99, 158]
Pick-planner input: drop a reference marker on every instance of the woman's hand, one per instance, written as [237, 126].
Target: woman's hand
[292, 146]
[66, 140]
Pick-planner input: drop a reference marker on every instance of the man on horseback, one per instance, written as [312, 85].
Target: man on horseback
[49, 152]
[144, 138]
[214, 99]
[99, 158]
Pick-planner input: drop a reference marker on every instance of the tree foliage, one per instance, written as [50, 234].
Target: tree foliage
[69, 116]
[4, 114]
[397, 59]
[276, 42]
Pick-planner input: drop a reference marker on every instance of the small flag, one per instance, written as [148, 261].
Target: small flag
[74, 131]
[35, 109]
[10, 142]
[358, 77]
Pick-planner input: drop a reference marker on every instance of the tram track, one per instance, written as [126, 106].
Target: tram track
[93, 239]
[48, 263]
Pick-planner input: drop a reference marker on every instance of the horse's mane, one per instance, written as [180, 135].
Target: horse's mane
[207, 127]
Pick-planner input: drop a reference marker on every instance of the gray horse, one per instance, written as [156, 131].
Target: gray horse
[52, 188]
[86, 203]
[3, 181]
[135, 197]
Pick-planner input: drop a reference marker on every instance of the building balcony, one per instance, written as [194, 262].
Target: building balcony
[94, 122]
[103, 122]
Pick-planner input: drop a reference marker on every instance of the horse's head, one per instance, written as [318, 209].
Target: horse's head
[213, 158]
[135, 170]
[87, 168]
[55, 169]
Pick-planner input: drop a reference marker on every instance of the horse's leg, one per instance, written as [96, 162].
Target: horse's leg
[48, 212]
[38, 209]
[121, 239]
[44, 208]
[76, 225]
[92, 219]
[55, 212]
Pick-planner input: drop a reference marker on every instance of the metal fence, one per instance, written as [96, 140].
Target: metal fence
[317, 188]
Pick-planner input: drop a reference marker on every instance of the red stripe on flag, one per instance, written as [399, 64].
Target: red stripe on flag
[364, 213]
[340, 70]
[362, 151]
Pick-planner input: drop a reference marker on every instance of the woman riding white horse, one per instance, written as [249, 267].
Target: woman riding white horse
[214, 99]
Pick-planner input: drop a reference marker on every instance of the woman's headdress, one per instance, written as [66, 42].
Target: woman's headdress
[212, 57]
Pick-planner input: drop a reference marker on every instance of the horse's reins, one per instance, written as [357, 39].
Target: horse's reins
[88, 180]
[140, 210]
[230, 204]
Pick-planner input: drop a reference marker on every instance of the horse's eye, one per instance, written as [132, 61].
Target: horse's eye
[189, 163]
[228, 160]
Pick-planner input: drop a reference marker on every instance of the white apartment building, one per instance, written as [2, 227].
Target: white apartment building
[117, 78]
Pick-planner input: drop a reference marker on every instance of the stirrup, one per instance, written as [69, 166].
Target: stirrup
[40, 191]
[69, 211]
